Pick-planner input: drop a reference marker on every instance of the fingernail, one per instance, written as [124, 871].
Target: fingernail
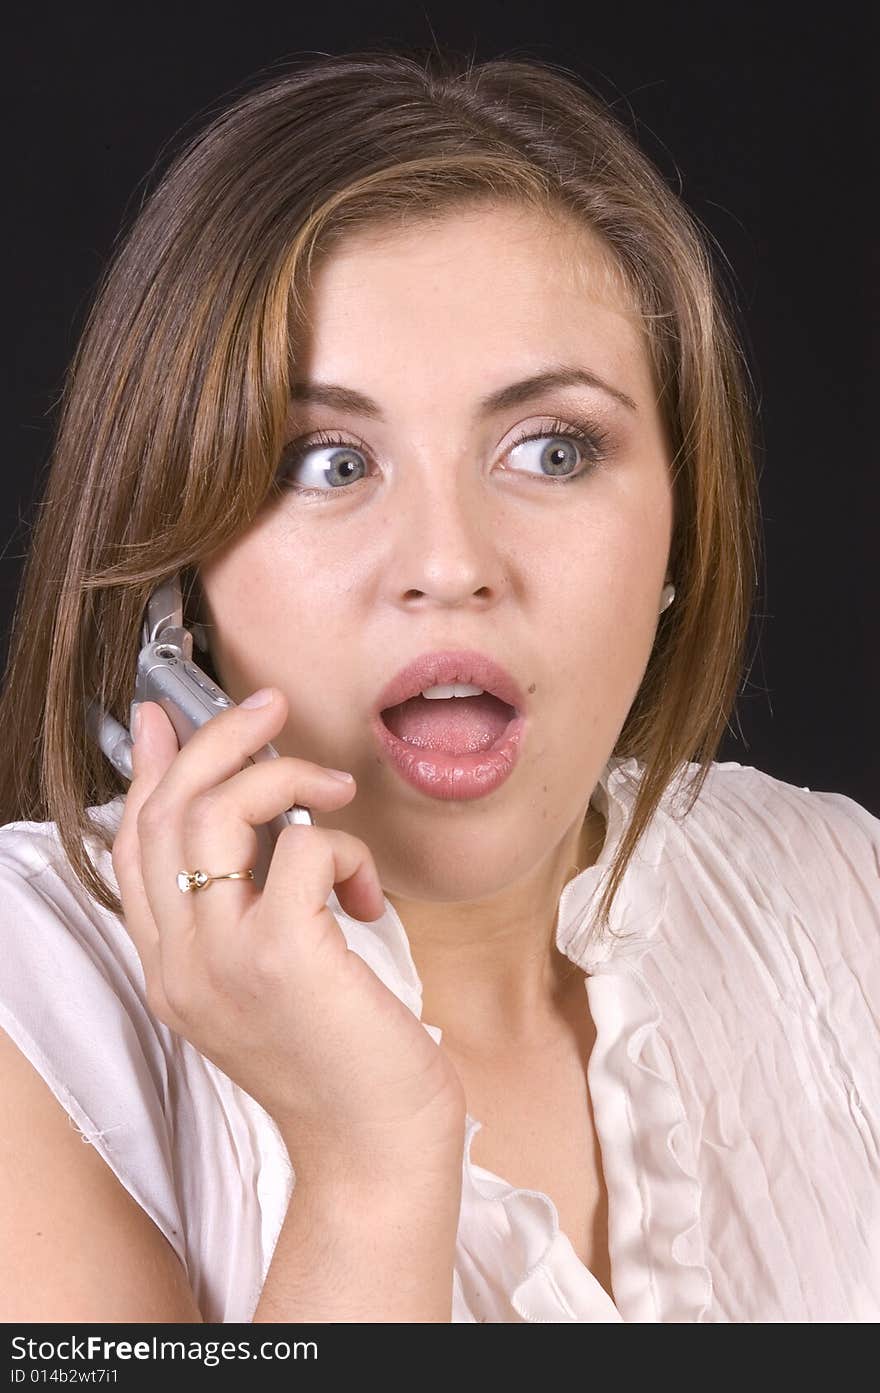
[136, 723]
[341, 774]
[260, 698]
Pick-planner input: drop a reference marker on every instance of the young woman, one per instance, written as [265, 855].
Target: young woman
[420, 376]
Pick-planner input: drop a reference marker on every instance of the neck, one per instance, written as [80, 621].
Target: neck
[492, 974]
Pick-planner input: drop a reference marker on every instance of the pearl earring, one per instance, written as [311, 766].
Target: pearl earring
[667, 596]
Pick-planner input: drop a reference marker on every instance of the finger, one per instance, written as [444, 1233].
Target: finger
[150, 757]
[221, 827]
[308, 862]
[215, 750]
[203, 826]
[284, 935]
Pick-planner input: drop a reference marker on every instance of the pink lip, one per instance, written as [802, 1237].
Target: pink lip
[448, 776]
[453, 776]
[463, 665]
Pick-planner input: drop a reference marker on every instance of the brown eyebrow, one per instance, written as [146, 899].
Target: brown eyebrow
[517, 393]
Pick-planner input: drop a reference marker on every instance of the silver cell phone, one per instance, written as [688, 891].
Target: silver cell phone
[167, 675]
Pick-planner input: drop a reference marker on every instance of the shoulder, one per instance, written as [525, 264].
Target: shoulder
[825, 840]
[29, 848]
[45, 911]
[72, 1000]
[785, 875]
[57, 943]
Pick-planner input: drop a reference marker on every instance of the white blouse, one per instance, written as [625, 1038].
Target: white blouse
[735, 1077]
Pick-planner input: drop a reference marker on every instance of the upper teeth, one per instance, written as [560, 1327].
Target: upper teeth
[454, 689]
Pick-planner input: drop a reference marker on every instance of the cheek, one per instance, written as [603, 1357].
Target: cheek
[626, 548]
[600, 599]
[246, 601]
[608, 560]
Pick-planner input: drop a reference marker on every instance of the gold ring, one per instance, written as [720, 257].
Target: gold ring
[197, 880]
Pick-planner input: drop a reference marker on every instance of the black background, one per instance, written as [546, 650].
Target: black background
[761, 118]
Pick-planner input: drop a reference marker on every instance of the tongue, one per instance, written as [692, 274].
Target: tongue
[457, 725]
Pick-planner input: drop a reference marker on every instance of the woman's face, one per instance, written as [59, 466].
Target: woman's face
[440, 532]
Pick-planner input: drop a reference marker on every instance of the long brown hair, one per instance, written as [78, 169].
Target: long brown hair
[174, 406]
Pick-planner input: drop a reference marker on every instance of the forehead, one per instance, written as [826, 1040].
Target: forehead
[500, 278]
[493, 244]
[425, 316]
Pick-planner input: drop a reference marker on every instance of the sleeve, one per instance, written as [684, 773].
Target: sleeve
[70, 1001]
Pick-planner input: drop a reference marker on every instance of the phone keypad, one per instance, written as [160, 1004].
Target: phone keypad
[210, 688]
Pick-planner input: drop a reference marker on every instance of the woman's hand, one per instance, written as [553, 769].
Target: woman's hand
[262, 982]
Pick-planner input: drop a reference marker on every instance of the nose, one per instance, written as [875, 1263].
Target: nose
[447, 545]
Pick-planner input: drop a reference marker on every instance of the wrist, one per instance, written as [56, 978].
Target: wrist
[392, 1173]
[383, 1210]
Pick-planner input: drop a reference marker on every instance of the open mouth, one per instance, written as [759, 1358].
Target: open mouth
[451, 725]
